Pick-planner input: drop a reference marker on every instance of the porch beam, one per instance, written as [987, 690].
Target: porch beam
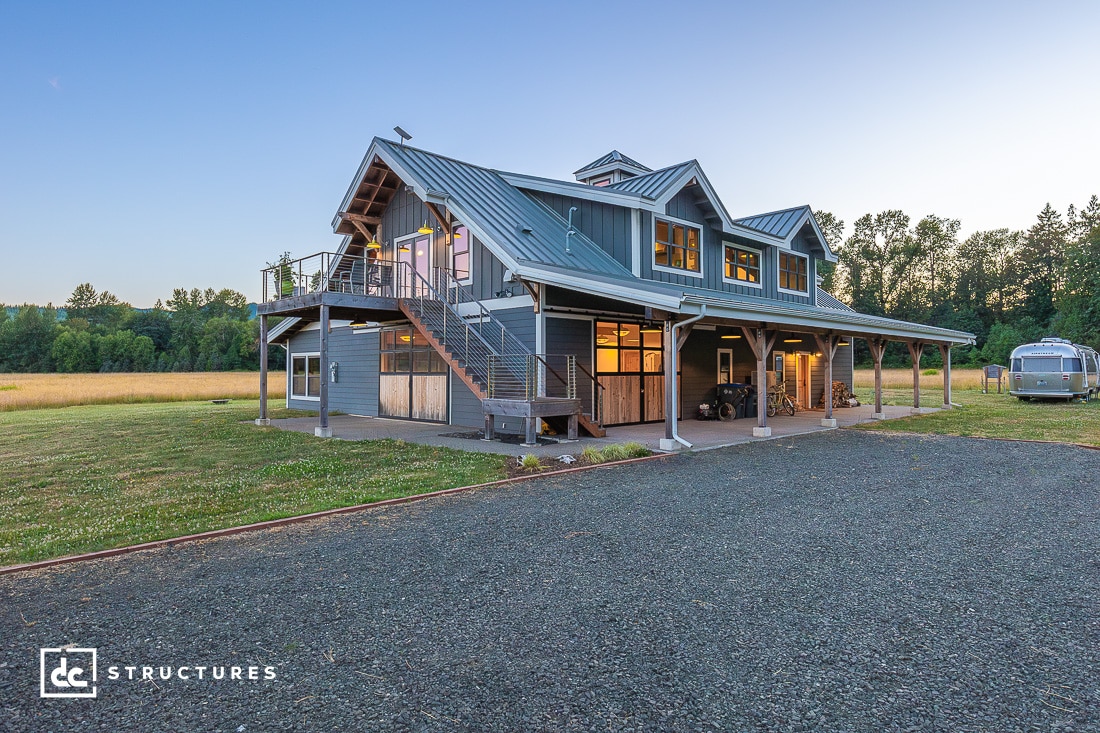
[323, 430]
[878, 349]
[263, 419]
[945, 352]
[440, 218]
[360, 218]
[916, 349]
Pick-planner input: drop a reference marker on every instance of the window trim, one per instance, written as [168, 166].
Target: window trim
[653, 250]
[290, 375]
[759, 284]
[779, 272]
[469, 237]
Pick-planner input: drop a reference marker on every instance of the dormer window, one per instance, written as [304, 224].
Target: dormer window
[742, 266]
[601, 182]
[792, 273]
[676, 246]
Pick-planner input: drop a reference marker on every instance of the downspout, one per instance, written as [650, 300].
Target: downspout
[675, 357]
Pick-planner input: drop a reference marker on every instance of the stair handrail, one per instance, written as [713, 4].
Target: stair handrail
[419, 286]
[458, 294]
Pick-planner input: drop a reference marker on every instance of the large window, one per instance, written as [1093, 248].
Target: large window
[676, 246]
[792, 272]
[626, 348]
[742, 265]
[305, 376]
[461, 245]
[406, 351]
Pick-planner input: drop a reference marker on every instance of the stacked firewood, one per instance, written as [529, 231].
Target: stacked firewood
[841, 396]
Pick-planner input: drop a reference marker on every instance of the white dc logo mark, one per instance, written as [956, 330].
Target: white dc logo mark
[68, 673]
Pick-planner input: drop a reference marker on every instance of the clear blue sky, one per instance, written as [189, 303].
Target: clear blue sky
[147, 146]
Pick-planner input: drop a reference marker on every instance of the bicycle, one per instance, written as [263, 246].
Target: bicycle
[778, 399]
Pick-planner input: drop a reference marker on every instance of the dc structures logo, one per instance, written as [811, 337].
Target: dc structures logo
[68, 673]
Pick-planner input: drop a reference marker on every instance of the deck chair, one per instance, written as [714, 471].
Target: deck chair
[358, 276]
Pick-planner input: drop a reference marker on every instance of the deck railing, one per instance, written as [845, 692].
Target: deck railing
[329, 272]
[462, 323]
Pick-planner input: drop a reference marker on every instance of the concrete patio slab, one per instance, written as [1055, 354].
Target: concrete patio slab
[702, 434]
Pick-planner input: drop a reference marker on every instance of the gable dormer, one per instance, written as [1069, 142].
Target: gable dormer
[611, 168]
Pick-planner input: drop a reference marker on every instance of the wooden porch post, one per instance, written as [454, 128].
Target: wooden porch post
[323, 430]
[263, 419]
[761, 345]
[878, 349]
[916, 348]
[828, 345]
[945, 352]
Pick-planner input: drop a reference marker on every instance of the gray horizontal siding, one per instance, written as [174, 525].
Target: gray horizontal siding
[356, 388]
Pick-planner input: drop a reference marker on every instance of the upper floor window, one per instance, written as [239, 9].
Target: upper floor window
[743, 265]
[460, 253]
[677, 246]
[792, 272]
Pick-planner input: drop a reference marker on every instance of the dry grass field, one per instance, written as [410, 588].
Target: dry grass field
[36, 391]
[903, 379]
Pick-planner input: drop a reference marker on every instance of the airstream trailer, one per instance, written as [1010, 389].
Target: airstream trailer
[1054, 368]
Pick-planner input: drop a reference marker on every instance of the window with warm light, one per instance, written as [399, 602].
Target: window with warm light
[406, 351]
[460, 253]
[792, 272]
[305, 376]
[627, 348]
[676, 246]
[742, 265]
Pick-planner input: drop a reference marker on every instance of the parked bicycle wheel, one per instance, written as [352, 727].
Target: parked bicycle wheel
[771, 408]
[788, 405]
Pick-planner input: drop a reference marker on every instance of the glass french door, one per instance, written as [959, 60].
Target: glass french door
[416, 253]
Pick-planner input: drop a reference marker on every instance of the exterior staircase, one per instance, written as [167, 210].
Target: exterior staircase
[489, 359]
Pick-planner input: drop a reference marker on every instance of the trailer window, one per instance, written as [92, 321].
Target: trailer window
[1042, 364]
[1071, 364]
[1016, 365]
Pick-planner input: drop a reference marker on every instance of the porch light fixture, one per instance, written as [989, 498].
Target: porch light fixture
[651, 328]
[424, 228]
[374, 244]
[731, 336]
[357, 325]
[792, 341]
[406, 337]
[404, 247]
[843, 343]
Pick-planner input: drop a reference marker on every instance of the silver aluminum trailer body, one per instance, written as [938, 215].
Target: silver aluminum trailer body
[1054, 368]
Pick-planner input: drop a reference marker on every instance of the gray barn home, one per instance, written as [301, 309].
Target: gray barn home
[469, 296]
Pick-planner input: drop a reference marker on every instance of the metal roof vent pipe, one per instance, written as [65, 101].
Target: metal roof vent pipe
[570, 231]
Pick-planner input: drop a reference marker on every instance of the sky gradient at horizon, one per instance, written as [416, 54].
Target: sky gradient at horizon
[144, 148]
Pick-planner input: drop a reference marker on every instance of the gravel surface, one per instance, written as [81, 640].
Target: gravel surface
[842, 581]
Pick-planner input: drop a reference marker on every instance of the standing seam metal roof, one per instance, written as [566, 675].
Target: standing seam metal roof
[612, 157]
[503, 210]
[652, 185]
[776, 223]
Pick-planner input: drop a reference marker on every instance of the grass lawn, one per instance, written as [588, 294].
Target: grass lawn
[79, 479]
[990, 416]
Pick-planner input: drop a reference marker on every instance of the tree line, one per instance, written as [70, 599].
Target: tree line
[1006, 287]
[195, 330]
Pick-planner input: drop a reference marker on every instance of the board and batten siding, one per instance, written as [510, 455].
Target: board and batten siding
[605, 224]
[356, 390]
[574, 336]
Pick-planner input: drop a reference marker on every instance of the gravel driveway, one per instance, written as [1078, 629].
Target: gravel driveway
[842, 581]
